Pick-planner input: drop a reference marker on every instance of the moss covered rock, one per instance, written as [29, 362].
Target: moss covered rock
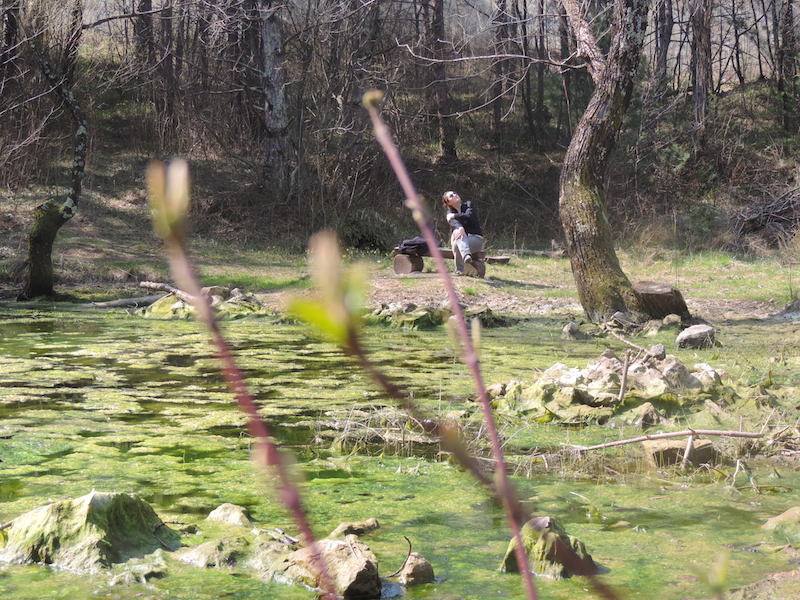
[551, 551]
[786, 526]
[89, 533]
[227, 552]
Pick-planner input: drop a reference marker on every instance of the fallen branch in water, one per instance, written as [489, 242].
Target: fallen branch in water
[405, 561]
[137, 302]
[165, 287]
[672, 434]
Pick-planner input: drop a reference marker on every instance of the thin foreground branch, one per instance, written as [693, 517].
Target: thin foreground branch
[169, 200]
[516, 514]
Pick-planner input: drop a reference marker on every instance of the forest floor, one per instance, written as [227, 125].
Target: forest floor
[109, 247]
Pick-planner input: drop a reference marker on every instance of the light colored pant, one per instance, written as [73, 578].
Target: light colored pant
[466, 245]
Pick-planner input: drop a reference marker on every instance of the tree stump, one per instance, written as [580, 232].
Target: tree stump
[475, 268]
[408, 263]
[661, 300]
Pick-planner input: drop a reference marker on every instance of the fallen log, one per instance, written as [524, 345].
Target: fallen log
[165, 287]
[137, 302]
[671, 434]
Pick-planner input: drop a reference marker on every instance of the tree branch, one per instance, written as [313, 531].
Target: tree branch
[585, 39]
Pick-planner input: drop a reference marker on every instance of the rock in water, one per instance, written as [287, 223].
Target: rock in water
[350, 563]
[546, 544]
[355, 528]
[786, 526]
[217, 553]
[662, 453]
[230, 514]
[416, 571]
[89, 533]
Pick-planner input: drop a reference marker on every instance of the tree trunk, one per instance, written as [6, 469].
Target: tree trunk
[701, 70]
[167, 68]
[737, 47]
[603, 288]
[664, 25]
[143, 34]
[50, 216]
[757, 39]
[275, 114]
[541, 54]
[500, 22]
[565, 108]
[204, 42]
[441, 92]
[787, 67]
[10, 39]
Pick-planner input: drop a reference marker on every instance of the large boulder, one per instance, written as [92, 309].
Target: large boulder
[88, 534]
[350, 564]
[551, 551]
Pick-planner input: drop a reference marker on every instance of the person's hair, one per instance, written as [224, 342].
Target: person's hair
[445, 196]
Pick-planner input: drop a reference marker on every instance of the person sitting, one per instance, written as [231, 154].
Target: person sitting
[467, 236]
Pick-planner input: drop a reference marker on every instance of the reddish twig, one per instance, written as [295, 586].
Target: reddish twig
[266, 450]
[501, 487]
[514, 511]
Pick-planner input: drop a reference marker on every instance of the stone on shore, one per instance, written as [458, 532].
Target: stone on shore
[696, 336]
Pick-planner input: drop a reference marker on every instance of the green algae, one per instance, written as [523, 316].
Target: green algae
[149, 414]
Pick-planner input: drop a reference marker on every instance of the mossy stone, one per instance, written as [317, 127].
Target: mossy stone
[548, 547]
[88, 533]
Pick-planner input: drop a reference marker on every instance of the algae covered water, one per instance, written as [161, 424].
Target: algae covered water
[93, 399]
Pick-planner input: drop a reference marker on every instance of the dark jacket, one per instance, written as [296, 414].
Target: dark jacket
[467, 217]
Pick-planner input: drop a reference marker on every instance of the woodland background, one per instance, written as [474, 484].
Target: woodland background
[265, 97]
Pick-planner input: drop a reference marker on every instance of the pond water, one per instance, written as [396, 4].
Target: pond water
[98, 399]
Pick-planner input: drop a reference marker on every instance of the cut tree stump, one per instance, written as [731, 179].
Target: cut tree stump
[408, 263]
[661, 300]
[414, 263]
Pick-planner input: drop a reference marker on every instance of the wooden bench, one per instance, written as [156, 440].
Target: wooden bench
[414, 263]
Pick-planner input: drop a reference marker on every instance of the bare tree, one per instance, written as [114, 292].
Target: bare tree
[565, 107]
[271, 69]
[786, 70]
[50, 216]
[143, 33]
[500, 19]
[9, 24]
[603, 288]
[441, 89]
[701, 69]
[664, 24]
